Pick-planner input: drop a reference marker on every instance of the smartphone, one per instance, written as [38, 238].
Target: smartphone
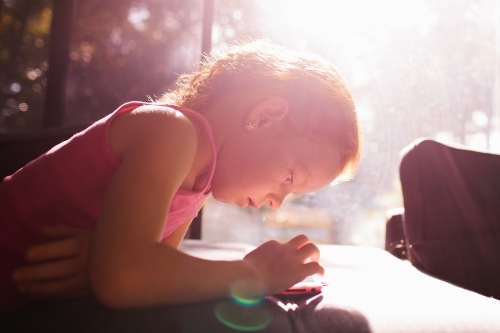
[310, 285]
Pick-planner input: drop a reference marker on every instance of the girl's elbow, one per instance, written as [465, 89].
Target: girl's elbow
[113, 289]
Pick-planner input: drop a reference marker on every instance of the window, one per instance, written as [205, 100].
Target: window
[416, 67]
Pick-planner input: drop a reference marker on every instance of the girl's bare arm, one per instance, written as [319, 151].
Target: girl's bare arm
[58, 268]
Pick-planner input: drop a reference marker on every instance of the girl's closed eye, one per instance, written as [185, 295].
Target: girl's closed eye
[290, 178]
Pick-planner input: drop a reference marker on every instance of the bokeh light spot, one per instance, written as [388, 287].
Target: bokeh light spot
[15, 87]
[74, 56]
[479, 118]
[23, 107]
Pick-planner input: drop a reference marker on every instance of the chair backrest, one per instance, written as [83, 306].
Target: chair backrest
[18, 149]
[452, 214]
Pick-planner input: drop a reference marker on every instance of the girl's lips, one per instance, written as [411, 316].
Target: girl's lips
[251, 203]
[248, 202]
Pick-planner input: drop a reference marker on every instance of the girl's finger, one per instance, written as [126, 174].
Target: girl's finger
[58, 249]
[312, 268]
[54, 287]
[298, 241]
[60, 231]
[52, 270]
[308, 252]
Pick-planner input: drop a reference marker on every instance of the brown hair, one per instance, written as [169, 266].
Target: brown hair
[320, 101]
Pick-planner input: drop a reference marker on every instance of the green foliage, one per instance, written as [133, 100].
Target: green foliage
[24, 32]
[120, 51]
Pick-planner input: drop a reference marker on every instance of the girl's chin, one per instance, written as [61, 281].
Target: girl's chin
[219, 198]
[228, 199]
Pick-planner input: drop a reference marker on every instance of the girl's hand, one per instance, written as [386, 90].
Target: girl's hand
[58, 268]
[282, 265]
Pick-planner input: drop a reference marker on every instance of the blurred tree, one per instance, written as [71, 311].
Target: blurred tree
[24, 30]
[121, 50]
[129, 50]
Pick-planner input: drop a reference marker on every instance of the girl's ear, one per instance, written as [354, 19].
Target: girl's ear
[267, 112]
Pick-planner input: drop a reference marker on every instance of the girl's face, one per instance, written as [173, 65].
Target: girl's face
[256, 168]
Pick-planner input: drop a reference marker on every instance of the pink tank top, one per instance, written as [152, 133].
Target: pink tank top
[66, 186]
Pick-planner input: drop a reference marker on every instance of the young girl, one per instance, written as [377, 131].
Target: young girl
[251, 127]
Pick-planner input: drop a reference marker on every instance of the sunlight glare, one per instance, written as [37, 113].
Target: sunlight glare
[479, 118]
[353, 22]
[477, 141]
[495, 142]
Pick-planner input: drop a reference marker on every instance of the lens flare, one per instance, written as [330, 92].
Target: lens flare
[241, 317]
[244, 311]
[247, 292]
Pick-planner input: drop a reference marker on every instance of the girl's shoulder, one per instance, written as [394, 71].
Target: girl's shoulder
[149, 126]
[161, 112]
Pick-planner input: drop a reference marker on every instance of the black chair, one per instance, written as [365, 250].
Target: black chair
[18, 149]
[450, 226]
